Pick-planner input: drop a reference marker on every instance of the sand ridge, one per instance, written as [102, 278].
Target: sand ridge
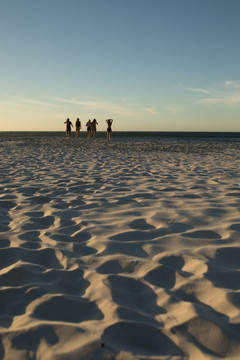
[119, 250]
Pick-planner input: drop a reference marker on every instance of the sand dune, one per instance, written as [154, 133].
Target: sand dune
[119, 250]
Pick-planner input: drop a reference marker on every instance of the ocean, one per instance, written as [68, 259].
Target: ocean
[184, 136]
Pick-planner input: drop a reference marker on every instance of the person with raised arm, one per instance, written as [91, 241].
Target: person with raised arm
[94, 128]
[109, 128]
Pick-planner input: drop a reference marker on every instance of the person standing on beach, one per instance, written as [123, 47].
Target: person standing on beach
[89, 128]
[109, 128]
[94, 128]
[68, 127]
[78, 127]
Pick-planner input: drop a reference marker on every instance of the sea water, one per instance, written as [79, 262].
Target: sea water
[188, 136]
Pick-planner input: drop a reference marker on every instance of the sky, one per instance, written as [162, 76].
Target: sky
[150, 65]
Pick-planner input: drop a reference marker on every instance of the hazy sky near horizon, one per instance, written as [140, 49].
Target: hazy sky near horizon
[151, 65]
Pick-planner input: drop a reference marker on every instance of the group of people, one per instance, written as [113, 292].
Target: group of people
[91, 127]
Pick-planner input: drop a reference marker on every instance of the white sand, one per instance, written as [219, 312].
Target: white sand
[119, 250]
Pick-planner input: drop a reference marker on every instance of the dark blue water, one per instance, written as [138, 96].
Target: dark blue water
[141, 135]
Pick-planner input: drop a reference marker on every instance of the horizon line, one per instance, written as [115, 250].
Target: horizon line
[127, 131]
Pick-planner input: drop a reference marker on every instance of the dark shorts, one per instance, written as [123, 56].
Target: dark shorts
[109, 129]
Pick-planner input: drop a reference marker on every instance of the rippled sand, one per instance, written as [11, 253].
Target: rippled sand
[119, 250]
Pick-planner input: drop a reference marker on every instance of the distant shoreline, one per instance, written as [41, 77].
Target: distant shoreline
[131, 134]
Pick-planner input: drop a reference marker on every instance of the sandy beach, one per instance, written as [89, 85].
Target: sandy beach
[119, 250]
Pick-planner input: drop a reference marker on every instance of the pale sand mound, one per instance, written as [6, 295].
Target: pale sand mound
[119, 250]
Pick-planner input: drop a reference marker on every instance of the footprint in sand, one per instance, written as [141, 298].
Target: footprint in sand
[34, 336]
[235, 227]
[5, 206]
[175, 262]
[216, 336]
[129, 249]
[66, 308]
[139, 235]
[20, 297]
[46, 258]
[130, 293]
[140, 339]
[162, 276]
[110, 267]
[141, 224]
[127, 314]
[204, 235]
[223, 269]
[38, 221]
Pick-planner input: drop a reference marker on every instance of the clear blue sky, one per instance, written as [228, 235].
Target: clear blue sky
[154, 65]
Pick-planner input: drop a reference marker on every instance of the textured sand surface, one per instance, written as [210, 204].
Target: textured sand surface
[119, 250]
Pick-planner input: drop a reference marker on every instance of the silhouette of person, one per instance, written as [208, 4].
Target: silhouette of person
[89, 128]
[78, 127]
[68, 127]
[94, 128]
[109, 128]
